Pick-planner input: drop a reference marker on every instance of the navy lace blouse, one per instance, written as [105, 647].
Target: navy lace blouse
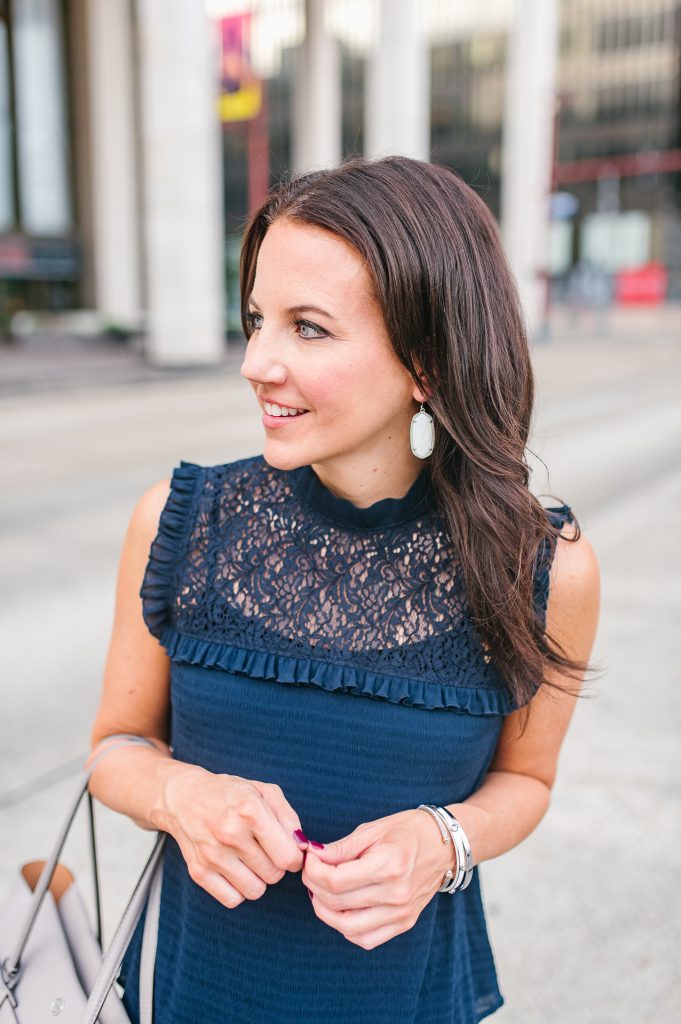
[329, 649]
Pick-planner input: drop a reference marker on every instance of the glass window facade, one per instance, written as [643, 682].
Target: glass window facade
[618, 86]
[39, 254]
[41, 118]
[7, 191]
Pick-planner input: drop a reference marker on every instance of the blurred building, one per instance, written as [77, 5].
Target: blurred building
[618, 136]
[110, 173]
[113, 196]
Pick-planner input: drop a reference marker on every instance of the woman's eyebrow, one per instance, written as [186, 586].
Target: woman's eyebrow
[299, 309]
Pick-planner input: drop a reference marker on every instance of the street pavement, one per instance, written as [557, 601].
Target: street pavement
[585, 915]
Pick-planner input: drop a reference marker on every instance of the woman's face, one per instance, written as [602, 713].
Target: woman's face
[333, 363]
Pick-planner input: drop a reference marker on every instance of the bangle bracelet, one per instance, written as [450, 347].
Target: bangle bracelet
[460, 879]
[462, 846]
[445, 834]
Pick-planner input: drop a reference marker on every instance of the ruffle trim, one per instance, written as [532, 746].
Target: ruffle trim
[333, 677]
[558, 516]
[157, 585]
[157, 593]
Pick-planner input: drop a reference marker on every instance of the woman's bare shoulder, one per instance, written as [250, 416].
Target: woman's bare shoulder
[147, 512]
[574, 590]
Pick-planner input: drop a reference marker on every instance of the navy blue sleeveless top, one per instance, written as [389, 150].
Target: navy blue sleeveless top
[329, 649]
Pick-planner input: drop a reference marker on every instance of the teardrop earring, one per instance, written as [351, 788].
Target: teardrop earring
[422, 434]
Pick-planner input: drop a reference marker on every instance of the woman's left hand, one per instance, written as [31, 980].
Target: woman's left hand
[373, 884]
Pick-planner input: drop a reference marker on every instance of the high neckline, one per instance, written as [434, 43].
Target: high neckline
[387, 512]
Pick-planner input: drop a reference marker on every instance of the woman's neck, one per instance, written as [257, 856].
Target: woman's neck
[365, 483]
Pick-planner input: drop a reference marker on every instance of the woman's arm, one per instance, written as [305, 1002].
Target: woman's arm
[235, 834]
[134, 696]
[374, 883]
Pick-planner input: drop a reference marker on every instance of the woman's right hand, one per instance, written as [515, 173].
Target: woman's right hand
[235, 834]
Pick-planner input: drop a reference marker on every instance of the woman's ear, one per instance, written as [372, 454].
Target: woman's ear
[421, 390]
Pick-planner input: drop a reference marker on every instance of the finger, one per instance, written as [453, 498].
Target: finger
[369, 940]
[354, 923]
[369, 869]
[216, 886]
[238, 875]
[273, 823]
[252, 818]
[250, 856]
[352, 846]
[273, 795]
[358, 899]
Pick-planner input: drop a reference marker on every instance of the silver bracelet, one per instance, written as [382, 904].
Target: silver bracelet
[464, 856]
[459, 880]
[444, 832]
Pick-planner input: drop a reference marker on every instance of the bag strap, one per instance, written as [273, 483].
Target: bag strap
[126, 926]
[95, 868]
[111, 963]
[148, 952]
[12, 965]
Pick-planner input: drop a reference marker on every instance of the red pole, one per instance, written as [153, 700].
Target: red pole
[258, 156]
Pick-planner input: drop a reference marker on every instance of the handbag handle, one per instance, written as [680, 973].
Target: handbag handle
[149, 882]
[132, 913]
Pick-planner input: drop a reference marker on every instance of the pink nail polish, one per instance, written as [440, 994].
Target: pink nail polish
[317, 846]
[309, 893]
[300, 836]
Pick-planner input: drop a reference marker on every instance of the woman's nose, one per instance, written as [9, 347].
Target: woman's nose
[261, 364]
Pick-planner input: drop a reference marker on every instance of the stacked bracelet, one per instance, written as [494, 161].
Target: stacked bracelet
[451, 831]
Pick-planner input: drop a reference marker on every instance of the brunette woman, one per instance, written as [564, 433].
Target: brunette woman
[371, 635]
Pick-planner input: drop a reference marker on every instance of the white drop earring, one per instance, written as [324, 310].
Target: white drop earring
[422, 434]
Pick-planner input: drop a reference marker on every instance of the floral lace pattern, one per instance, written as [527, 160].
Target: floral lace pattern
[242, 562]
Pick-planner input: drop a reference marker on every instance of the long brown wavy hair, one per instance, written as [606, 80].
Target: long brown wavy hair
[451, 308]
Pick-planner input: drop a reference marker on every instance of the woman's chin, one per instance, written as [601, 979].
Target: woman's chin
[277, 456]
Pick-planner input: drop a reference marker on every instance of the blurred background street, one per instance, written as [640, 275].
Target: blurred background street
[136, 137]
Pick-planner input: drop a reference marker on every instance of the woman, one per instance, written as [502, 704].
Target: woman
[360, 642]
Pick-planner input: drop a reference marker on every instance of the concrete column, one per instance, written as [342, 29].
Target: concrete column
[317, 111]
[527, 158]
[397, 85]
[182, 175]
[113, 162]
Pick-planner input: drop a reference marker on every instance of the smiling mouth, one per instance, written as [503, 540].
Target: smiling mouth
[272, 409]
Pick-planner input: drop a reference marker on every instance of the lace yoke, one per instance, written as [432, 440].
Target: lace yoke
[265, 572]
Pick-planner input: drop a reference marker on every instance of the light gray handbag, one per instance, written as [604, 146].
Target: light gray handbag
[51, 963]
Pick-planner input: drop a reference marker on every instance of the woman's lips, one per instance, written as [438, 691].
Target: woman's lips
[274, 422]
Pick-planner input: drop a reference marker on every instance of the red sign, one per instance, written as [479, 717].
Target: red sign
[642, 286]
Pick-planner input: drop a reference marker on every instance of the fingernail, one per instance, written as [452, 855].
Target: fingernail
[300, 836]
[309, 893]
[317, 846]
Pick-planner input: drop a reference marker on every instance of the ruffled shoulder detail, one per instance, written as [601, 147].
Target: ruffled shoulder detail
[335, 677]
[243, 579]
[558, 516]
[174, 525]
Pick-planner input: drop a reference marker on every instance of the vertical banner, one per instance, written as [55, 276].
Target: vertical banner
[242, 101]
[240, 89]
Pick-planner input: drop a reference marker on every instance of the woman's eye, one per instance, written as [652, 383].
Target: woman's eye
[250, 319]
[254, 321]
[304, 325]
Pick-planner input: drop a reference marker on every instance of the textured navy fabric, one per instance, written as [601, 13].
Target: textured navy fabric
[328, 649]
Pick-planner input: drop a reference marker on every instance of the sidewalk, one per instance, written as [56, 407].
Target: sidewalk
[626, 323]
[44, 362]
